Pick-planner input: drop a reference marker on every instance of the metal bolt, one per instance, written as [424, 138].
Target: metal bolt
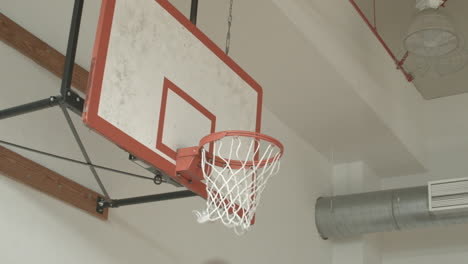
[77, 99]
[69, 93]
[158, 179]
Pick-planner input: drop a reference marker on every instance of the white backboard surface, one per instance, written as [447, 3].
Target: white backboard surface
[158, 83]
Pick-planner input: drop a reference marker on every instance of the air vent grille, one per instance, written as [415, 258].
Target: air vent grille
[448, 194]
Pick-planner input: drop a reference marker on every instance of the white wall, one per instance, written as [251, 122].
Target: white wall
[427, 246]
[39, 229]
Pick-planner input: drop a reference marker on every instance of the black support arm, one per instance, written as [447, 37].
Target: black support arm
[30, 107]
[194, 12]
[101, 204]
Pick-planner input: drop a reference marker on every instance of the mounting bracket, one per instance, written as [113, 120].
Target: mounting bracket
[69, 99]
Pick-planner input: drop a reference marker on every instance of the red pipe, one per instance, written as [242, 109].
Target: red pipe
[402, 61]
[408, 76]
[443, 4]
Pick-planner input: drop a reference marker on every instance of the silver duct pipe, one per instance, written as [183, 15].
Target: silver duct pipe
[390, 210]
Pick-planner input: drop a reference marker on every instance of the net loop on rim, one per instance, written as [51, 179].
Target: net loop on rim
[236, 166]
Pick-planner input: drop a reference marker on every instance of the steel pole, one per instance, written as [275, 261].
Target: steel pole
[30, 107]
[194, 12]
[147, 199]
[71, 48]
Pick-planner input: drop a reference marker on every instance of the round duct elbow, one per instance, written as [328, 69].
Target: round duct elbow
[383, 211]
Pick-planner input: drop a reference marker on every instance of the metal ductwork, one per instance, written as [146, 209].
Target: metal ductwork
[390, 210]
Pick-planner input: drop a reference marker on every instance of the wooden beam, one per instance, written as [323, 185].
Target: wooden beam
[22, 169]
[49, 182]
[40, 52]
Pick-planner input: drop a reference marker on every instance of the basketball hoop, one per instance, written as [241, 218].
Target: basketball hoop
[235, 167]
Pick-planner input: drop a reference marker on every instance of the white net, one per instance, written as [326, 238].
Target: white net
[236, 170]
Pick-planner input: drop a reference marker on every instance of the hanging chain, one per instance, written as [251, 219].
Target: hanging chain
[228, 35]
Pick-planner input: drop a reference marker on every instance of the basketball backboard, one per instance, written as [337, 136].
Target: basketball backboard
[158, 83]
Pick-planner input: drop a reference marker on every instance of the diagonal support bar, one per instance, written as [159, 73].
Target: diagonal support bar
[30, 107]
[66, 84]
[102, 204]
[76, 161]
[83, 150]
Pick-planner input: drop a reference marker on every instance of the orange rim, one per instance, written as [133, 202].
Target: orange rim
[240, 133]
